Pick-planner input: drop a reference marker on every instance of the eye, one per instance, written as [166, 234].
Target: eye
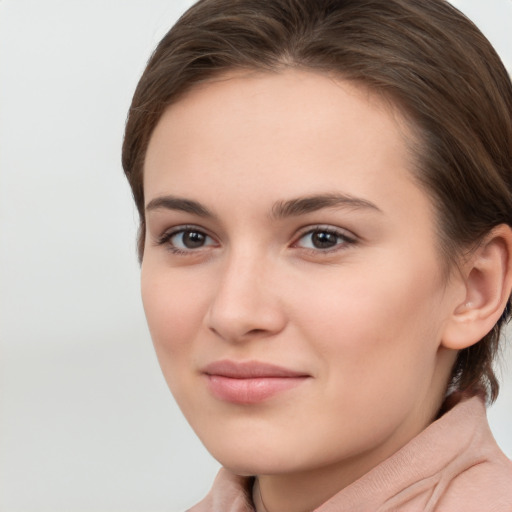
[186, 239]
[324, 239]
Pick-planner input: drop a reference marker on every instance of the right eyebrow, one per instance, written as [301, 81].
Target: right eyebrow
[178, 203]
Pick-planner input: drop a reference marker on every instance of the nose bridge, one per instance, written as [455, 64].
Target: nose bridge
[245, 303]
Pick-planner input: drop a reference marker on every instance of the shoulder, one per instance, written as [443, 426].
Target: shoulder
[482, 478]
[485, 486]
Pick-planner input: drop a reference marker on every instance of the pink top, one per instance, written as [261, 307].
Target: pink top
[454, 465]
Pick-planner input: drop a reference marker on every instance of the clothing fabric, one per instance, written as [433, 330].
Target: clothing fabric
[454, 465]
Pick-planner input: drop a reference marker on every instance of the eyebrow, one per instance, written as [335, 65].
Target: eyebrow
[309, 204]
[180, 204]
[280, 210]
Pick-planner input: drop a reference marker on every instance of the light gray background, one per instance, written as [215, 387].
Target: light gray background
[86, 420]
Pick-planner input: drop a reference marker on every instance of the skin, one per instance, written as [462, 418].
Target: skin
[364, 318]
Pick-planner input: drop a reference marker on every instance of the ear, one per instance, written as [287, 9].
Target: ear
[487, 281]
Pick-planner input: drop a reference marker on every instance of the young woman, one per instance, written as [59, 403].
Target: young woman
[325, 198]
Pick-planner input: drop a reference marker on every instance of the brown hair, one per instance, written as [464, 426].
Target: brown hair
[432, 62]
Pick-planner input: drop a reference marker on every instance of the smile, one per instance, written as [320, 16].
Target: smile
[249, 382]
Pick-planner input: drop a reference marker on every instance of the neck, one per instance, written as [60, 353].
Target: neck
[307, 490]
[304, 492]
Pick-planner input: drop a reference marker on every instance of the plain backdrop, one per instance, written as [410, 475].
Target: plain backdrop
[86, 421]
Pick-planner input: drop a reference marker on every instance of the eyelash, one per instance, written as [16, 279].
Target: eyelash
[343, 239]
[166, 238]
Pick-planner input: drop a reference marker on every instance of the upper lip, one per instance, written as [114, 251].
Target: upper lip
[249, 369]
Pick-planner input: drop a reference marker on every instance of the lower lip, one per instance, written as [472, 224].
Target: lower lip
[250, 390]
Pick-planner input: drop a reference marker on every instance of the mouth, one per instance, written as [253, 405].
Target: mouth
[250, 382]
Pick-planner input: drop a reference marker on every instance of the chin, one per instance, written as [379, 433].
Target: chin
[253, 456]
[249, 460]
[248, 467]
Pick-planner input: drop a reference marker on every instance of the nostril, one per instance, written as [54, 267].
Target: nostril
[240, 335]
[255, 332]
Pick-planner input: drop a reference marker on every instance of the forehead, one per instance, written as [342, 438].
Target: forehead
[266, 137]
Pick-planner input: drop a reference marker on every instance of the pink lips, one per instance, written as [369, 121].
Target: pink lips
[249, 382]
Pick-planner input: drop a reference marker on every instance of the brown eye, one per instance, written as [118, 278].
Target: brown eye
[192, 239]
[188, 239]
[324, 239]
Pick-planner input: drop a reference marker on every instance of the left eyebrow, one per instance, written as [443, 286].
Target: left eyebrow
[179, 204]
[309, 204]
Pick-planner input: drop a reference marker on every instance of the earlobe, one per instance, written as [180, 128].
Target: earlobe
[487, 278]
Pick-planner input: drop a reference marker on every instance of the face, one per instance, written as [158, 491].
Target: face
[290, 277]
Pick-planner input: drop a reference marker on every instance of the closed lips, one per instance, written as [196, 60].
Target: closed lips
[250, 382]
[250, 370]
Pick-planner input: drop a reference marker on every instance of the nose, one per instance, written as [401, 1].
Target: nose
[246, 304]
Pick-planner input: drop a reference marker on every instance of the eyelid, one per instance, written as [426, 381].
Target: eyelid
[168, 234]
[348, 237]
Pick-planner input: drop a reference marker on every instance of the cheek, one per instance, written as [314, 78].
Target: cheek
[174, 309]
[376, 339]
[370, 324]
